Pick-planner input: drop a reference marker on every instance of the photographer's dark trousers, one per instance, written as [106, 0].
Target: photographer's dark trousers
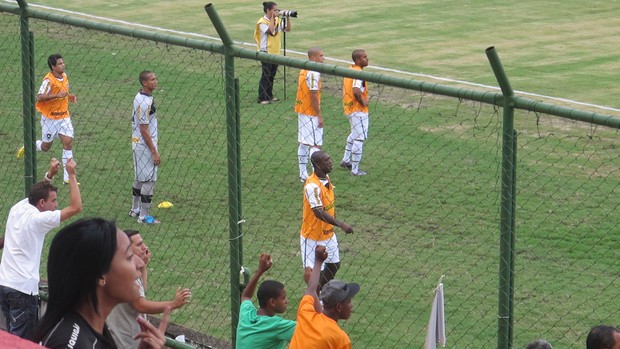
[265, 86]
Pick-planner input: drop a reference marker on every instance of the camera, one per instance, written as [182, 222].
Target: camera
[288, 13]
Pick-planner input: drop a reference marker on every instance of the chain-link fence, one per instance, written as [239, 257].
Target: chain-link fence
[428, 207]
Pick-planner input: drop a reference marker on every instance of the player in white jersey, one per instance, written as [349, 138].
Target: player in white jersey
[145, 153]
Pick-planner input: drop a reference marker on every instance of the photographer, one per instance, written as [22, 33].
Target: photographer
[267, 36]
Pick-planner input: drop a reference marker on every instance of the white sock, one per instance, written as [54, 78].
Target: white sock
[303, 152]
[39, 142]
[356, 155]
[66, 154]
[347, 149]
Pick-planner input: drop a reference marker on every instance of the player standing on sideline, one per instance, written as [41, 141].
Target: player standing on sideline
[53, 104]
[319, 219]
[355, 103]
[317, 326]
[262, 329]
[145, 153]
[122, 320]
[28, 222]
[267, 37]
[310, 117]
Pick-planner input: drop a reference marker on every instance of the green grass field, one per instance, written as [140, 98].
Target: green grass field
[429, 207]
[553, 48]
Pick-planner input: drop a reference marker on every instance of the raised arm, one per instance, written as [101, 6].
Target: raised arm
[145, 306]
[264, 264]
[320, 255]
[75, 199]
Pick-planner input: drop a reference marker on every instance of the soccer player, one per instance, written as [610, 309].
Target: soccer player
[310, 117]
[28, 222]
[262, 329]
[146, 158]
[319, 219]
[355, 103]
[267, 37]
[317, 327]
[53, 104]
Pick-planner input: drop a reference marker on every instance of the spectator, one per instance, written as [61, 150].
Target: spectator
[317, 327]
[603, 337]
[91, 269]
[122, 320]
[28, 222]
[262, 329]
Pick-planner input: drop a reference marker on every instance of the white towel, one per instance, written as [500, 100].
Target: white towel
[436, 331]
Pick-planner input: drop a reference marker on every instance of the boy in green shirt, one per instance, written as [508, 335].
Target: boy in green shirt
[261, 329]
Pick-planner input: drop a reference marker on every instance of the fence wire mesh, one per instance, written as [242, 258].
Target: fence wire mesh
[429, 206]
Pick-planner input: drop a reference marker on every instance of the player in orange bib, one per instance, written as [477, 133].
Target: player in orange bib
[355, 104]
[319, 219]
[53, 103]
[309, 115]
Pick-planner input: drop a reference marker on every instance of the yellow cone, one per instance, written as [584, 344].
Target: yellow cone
[165, 204]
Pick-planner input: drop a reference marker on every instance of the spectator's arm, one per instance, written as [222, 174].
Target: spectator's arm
[320, 255]
[264, 264]
[145, 306]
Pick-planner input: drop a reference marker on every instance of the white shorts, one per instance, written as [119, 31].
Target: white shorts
[51, 128]
[359, 125]
[309, 131]
[143, 165]
[308, 246]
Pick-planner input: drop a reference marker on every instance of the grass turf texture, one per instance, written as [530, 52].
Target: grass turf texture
[428, 208]
[562, 49]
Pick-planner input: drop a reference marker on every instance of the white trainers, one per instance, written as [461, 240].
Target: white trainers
[358, 173]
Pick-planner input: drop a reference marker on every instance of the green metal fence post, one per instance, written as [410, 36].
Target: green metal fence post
[513, 236]
[506, 270]
[33, 115]
[234, 191]
[27, 95]
[238, 144]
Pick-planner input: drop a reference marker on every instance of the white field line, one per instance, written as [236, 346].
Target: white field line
[420, 75]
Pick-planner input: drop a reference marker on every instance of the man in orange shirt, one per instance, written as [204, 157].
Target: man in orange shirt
[309, 115]
[319, 219]
[53, 104]
[355, 104]
[317, 327]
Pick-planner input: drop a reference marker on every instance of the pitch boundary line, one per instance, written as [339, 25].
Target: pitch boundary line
[421, 75]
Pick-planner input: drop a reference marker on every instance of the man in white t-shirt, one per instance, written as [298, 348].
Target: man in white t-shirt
[28, 222]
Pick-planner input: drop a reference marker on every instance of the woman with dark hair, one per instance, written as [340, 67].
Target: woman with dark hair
[267, 37]
[91, 268]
